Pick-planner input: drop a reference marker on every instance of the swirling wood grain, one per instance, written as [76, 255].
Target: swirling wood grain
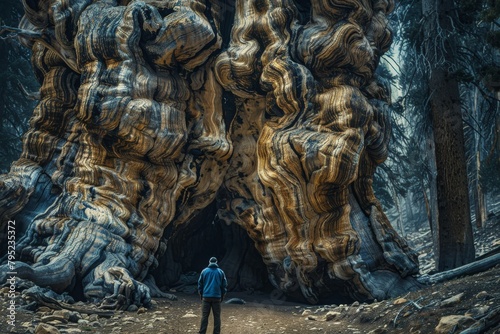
[129, 142]
[134, 138]
[309, 67]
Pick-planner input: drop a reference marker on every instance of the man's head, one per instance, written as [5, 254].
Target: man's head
[213, 260]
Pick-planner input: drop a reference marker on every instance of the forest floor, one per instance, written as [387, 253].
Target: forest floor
[449, 307]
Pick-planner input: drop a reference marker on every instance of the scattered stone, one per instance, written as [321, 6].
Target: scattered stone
[141, 310]
[54, 317]
[63, 313]
[132, 308]
[189, 315]
[56, 323]
[452, 300]
[311, 317]
[355, 304]
[331, 315]
[83, 322]
[482, 295]
[477, 312]
[95, 324]
[416, 328]
[44, 309]
[451, 323]
[46, 329]
[400, 301]
[93, 317]
[73, 331]
[306, 313]
[378, 331]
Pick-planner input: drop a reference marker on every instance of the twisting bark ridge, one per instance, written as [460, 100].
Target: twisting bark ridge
[310, 131]
[135, 141]
[129, 140]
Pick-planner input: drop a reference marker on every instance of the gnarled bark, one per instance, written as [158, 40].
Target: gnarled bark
[129, 143]
[133, 143]
[310, 131]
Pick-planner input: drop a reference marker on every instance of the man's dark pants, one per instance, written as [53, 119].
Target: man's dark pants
[207, 305]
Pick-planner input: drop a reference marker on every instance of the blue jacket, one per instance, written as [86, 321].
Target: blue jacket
[212, 282]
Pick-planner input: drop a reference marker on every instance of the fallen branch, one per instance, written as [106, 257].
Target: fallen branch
[468, 269]
[490, 253]
[42, 299]
[415, 305]
[480, 326]
[411, 302]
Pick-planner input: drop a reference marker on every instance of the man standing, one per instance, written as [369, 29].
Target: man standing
[212, 286]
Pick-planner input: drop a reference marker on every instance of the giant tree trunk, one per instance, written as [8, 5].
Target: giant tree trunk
[455, 246]
[131, 141]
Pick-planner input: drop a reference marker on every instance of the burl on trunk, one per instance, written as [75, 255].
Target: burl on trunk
[134, 136]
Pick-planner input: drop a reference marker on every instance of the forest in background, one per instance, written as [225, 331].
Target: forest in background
[443, 172]
[444, 70]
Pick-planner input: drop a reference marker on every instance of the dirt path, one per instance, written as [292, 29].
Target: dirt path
[472, 299]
